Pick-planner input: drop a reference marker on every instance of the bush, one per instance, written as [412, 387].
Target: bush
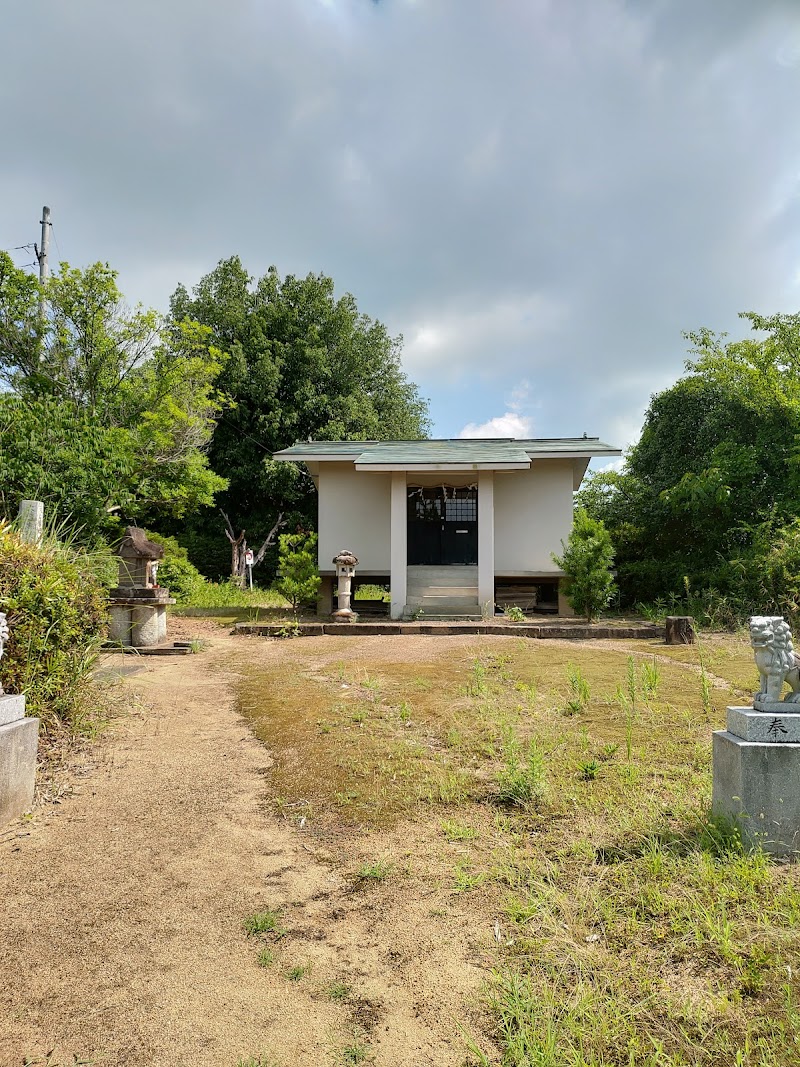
[587, 559]
[298, 578]
[56, 612]
[182, 578]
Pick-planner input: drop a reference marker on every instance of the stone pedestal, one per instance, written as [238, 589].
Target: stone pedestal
[146, 628]
[139, 622]
[757, 777]
[19, 745]
[119, 624]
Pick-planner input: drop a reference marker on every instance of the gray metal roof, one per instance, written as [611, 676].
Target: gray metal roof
[483, 452]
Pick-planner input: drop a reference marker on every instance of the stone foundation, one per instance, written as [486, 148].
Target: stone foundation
[138, 623]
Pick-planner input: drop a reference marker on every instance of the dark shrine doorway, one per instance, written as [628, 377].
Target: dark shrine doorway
[442, 526]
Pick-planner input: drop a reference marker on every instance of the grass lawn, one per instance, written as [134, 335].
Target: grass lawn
[560, 791]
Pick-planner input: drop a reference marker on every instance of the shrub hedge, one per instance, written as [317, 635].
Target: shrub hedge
[56, 612]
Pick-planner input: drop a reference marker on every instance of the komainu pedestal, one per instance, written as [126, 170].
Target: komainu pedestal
[757, 778]
[19, 746]
[757, 759]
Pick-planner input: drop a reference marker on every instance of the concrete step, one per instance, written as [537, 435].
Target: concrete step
[432, 616]
[438, 576]
[462, 605]
[469, 591]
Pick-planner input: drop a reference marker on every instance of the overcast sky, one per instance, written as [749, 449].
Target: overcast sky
[540, 195]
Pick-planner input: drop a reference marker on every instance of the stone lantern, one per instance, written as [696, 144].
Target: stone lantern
[345, 564]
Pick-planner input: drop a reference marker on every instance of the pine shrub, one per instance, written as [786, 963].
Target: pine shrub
[586, 561]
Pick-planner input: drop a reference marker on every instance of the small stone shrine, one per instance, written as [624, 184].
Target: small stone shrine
[757, 759]
[138, 606]
[19, 746]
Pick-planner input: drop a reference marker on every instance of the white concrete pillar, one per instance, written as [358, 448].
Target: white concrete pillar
[486, 540]
[399, 543]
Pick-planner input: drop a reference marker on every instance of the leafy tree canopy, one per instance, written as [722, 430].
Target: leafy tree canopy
[108, 409]
[716, 468]
[304, 364]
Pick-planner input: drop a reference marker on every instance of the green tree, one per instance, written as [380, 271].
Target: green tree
[298, 578]
[587, 558]
[52, 451]
[304, 364]
[715, 474]
[110, 410]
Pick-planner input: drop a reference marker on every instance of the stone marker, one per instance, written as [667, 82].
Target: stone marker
[31, 520]
[757, 759]
[19, 745]
[679, 630]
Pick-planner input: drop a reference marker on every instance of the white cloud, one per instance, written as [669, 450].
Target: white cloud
[510, 424]
[466, 338]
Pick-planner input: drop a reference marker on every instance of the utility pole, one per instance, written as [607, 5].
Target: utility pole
[41, 255]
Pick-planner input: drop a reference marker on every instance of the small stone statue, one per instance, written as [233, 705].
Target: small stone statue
[776, 660]
[3, 639]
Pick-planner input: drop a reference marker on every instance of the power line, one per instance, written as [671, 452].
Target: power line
[244, 433]
[58, 246]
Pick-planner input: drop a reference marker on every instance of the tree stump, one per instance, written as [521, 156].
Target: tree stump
[679, 630]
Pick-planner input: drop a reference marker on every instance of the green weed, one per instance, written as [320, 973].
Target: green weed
[377, 871]
[338, 991]
[578, 700]
[354, 1053]
[464, 880]
[264, 922]
[455, 831]
[650, 676]
[521, 780]
[588, 769]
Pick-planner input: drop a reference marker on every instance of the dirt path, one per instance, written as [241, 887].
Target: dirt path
[121, 937]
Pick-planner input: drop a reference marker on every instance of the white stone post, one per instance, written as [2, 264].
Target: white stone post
[31, 520]
[399, 544]
[486, 541]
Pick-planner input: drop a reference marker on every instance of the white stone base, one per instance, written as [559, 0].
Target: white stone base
[782, 727]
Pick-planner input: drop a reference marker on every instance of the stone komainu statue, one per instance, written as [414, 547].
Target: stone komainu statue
[777, 663]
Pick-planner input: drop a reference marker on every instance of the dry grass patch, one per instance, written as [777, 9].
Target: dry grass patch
[557, 794]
